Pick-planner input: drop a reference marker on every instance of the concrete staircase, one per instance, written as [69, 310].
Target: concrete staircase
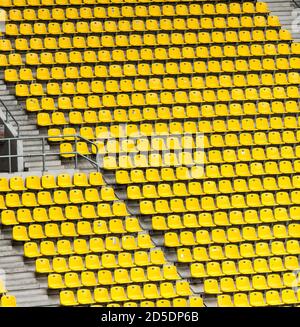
[28, 128]
[157, 237]
[287, 13]
[20, 278]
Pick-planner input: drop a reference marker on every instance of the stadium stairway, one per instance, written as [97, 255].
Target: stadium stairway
[284, 10]
[19, 276]
[196, 286]
[28, 128]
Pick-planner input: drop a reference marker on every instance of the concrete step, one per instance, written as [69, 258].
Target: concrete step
[11, 265]
[42, 293]
[8, 257]
[34, 140]
[7, 97]
[35, 148]
[20, 114]
[21, 275]
[14, 108]
[3, 87]
[51, 301]
[28, 133]
[4, 90]
[28, 122]
[5, 243]
[48, 158]
[5, 249]
[47, 169]
[54, 163]
[5, 234]
[26, 127]
[29, 267]
[27, 285]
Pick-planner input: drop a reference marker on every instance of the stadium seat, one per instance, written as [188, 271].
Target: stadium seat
[191, 112]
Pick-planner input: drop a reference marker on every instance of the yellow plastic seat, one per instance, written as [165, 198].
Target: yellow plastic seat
[211, 286]
[292, 247]
[31, 250]
[47, 248]
[24, 216]
[274, 281]
[118, 293]
[55, 281]
[259, 282]
[66, 150]
[102, 295]
[257, 299]
[20, 233]
[273, 298]
[67, 298]
[64, 247]
[288, 296]
[8, 301]
[72, 280]
[8, 217]
[84, 297]
[241, 300]
[60, 265]
[225, 301]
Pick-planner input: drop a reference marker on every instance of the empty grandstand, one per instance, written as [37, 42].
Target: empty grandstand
[150, 153]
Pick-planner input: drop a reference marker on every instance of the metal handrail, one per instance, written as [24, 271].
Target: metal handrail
[9, 114]
[44, 154]
[296, 3]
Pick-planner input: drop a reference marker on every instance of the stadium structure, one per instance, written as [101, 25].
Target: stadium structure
[149, 153]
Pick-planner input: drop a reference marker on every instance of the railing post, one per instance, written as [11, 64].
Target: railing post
[43, 153]
[9, 155]
[76, 154]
